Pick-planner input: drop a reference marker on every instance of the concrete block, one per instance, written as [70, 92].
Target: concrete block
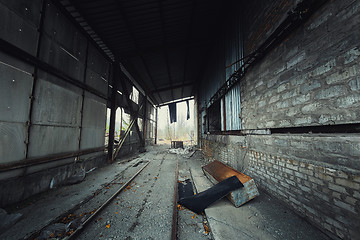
[323, 69]
[351, 55]
[217, 172]
[334, 91]
[344, 205]
[307, 87]
[355, 84]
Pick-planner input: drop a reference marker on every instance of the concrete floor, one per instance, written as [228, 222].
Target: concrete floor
[145, 209]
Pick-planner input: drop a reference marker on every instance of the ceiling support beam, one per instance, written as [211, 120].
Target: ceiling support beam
[160, 3]
[132, 35]
[172, 87]
[189, 33]
[133, 113]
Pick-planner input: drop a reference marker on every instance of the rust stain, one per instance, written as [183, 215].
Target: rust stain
[221, 172]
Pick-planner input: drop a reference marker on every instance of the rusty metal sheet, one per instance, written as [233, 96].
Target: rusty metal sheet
[97, 62]
[29, 10]
[48, 165]
[62, 31]
[59, 57]
[217, 172]
[56, 105]
[94, 122]
[95, 80]
[15, 89]
[46, 140]
[17, 30]
[12, 142]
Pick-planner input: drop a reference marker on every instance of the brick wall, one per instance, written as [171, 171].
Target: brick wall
[312, 78]
[326, 194]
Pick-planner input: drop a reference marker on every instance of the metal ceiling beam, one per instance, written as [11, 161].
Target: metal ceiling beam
[129, 29]
[77, 7]
[170, 46]
[160, 5]
[189, 33]
[172, 87]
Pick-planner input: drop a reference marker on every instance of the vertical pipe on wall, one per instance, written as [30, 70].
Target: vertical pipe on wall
[156, 124]
[144, 119]
[115, 79]
[121, 122]
[224, 113]
[83, 92]
[35, 78]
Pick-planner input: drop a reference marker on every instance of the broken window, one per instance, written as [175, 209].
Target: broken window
[134, 95]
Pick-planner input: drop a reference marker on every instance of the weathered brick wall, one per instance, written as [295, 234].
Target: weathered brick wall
[326, 194]
[262, 21]
[312, 78]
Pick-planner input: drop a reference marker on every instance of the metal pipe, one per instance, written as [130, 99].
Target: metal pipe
[113, 108]
[50, 158]
[178, 101]
[175, 210]
[82, 226]
[35, 78]
[83, 92]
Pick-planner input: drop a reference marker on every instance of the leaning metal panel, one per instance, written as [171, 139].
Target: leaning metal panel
[17, 30]
[15, 89]
[45, 140]
[93, 124]
[56, 105]
[12, 142]
[96, 81]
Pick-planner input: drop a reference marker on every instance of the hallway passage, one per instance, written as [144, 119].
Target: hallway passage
[145, 208]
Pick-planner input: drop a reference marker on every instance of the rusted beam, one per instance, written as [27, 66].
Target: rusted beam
[50, 158]
[217, 172]
[125, 135]
[113, 108]
[132, 112]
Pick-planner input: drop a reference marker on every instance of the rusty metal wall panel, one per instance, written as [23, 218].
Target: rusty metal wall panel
[59, 57]
[96, 81]
[94, 120]
[56, 105]
[29, 10]
[18, 30]
[45, 140]
[12, 142]
[97, 62]
[62, 31]
[15, 89]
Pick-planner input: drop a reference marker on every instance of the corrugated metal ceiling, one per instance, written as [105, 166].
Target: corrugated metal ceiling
[163, 43]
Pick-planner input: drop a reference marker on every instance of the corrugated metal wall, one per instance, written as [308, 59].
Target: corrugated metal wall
[42, 114]
[225, 60]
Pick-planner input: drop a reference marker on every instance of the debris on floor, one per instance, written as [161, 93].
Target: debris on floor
[177, 144]
[197, 203]
[77, 177]
[217, 172]
[187, 152]
[54, 231]
[7, 220]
